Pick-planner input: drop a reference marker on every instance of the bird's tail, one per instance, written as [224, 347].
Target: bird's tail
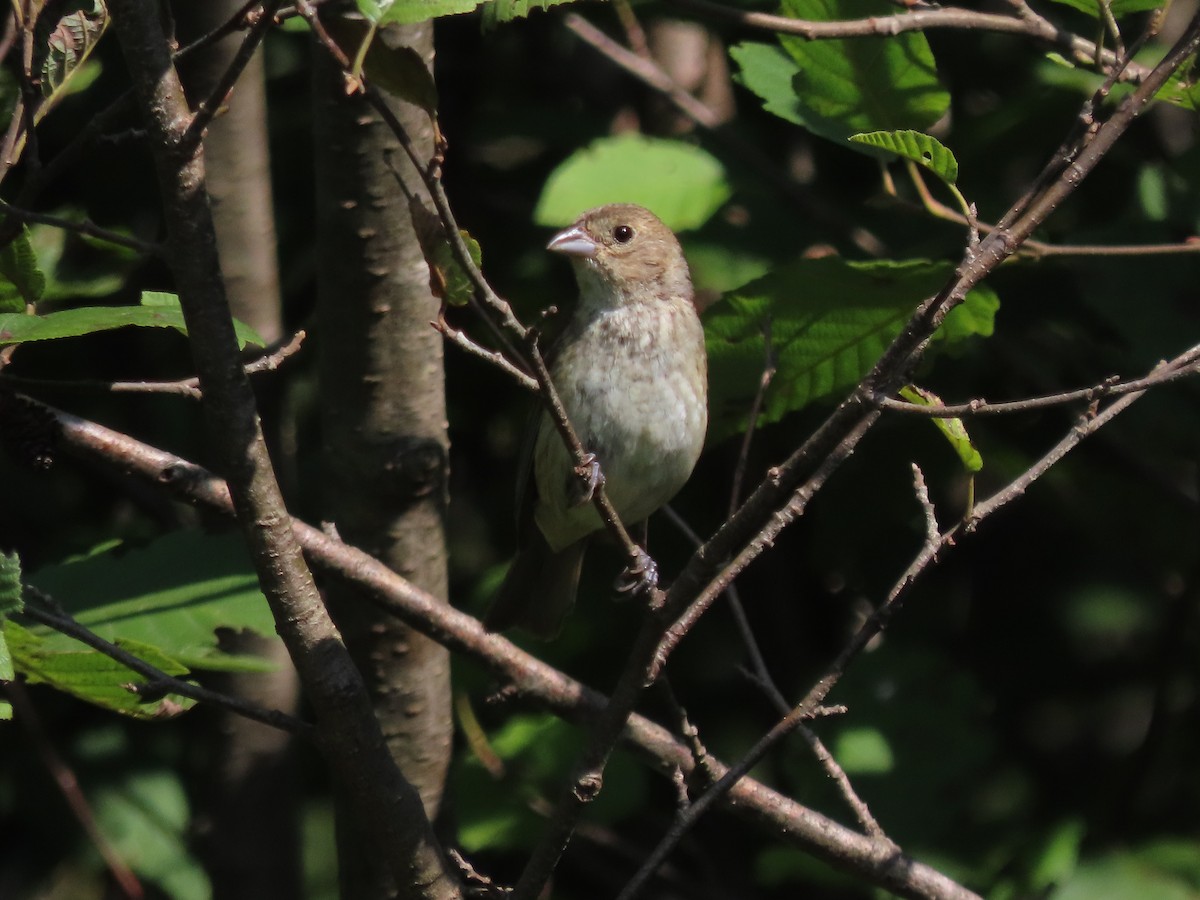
[539, 589]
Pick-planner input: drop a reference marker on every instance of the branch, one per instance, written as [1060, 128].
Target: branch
[390, 808]
[1026, 23]
[208, 108]
[531, 679]
[86, 228]
[46, 611]
[647, 71]
[1110, 387]
[1034, 249]
[184, 387]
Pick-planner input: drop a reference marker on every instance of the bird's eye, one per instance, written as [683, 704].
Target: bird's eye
[622, 234]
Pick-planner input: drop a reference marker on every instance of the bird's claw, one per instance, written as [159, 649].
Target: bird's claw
[590, 478]
[641, 577]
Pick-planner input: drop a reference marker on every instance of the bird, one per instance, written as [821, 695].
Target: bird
[631, 370]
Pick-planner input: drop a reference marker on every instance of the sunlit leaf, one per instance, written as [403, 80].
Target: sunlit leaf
[498, 11]
[174, 594]
[682, 184]
[767, 70]
[952, 429]
[843, 87]
[158, 310]
[922, 149]
[828, 321]
[90, 675]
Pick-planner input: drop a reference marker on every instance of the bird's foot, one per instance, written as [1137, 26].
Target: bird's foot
[590, 478]
[641, 577]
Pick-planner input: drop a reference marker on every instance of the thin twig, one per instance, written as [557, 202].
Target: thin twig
[1027, 23]
[646, 70]
[1035, 249]
[43, 609]
[185, 387]
[459, 338]
[1110, 387]
[877, 621]
[209, 107]
[529, 677]
[26, 713]
[86, 227]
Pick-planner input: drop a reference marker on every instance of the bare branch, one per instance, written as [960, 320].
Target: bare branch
[1027, 23]
[530, 678]
[1110, 387]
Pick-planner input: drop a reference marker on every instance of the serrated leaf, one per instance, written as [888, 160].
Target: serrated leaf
[682, 184]
[866, 84]
[829, 320]
[767, 71]
[924, 150]
[1119, 8]
[88, 674]
[68, 48]
[174, 594]
[373, 10]
[498, 11]
[408, 12]
[952, 429]
[10, 602]
[21, 280]
[1183, 87]
[10, 584]
[158, 310]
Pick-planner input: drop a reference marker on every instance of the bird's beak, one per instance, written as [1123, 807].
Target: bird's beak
[573, 242]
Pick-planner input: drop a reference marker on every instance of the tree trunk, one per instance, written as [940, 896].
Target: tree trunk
[248, 822]
[384, 423]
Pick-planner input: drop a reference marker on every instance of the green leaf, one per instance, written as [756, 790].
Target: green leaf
[10, 602]
[448, 281]
[682, 184]
[829, 320]
[498, 11]
[1121, 874]
[1120, 8]
[863, 751]
[866, 84]
[90, 675]
[456, 286]
[401, 71]
[21, 281]
[767, 71]
[147, 817]
[10, 584]
[952, 429]
[408, 12]
[1058, 857]
[922, 149]
[537, 751]
[373, 10]
[158, 310]
[68, 48]
[77, 266]
[173, 594]
[1183, 87]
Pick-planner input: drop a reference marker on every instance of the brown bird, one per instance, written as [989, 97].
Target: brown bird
[631, 370]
